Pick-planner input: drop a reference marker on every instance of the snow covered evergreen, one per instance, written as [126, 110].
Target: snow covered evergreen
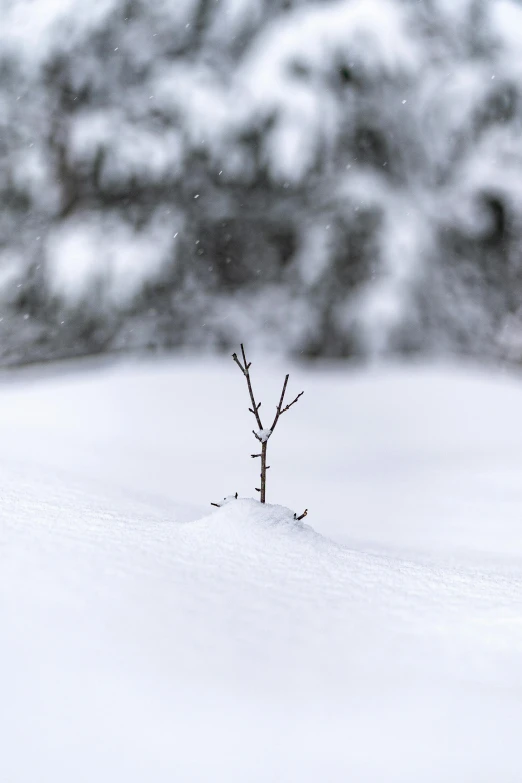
[344, 175]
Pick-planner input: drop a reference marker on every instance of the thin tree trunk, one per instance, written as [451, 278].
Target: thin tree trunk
[263, 471]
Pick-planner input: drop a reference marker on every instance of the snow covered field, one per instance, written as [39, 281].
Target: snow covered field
[147, 637]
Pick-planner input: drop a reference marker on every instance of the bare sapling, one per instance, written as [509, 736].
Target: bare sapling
[263, 434]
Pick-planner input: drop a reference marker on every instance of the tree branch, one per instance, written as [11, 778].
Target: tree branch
[281, 399]
[292, 403]
[244, 369]
[280, 409]
[234, 356]
[218, 505]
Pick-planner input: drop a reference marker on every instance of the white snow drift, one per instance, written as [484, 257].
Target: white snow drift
[140, 643]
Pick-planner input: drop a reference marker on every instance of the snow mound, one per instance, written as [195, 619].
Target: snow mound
[143, 640]
[251, 512]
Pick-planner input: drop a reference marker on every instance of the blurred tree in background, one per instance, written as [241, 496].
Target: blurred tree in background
[333, 178]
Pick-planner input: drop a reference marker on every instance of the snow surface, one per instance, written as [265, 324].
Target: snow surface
[147, 637]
